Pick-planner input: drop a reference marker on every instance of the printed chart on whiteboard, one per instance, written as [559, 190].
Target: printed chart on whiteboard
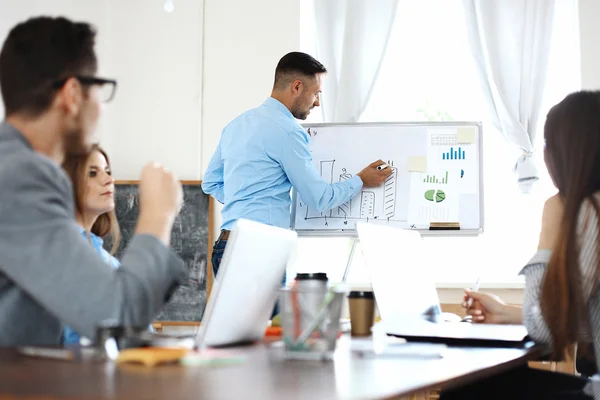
[435, 175]
[452, 171]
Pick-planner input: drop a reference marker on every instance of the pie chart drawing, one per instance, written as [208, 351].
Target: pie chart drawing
[435, 195]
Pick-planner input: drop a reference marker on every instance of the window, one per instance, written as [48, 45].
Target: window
[428, 74]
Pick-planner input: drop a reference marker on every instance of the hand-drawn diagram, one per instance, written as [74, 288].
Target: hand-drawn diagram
[326, 170]
[345, 209]
[367, 205]
[389, 194]
[370, 207]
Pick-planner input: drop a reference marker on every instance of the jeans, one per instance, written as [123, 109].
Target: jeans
[217, 255]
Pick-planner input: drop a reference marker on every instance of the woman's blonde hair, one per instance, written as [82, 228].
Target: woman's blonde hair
[75, 167]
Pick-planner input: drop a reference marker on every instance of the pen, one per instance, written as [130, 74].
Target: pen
[382, 167]
[475, 289]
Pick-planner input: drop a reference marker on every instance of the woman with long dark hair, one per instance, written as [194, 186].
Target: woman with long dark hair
[562, 300]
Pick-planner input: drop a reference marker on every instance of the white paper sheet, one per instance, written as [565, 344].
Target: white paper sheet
[446, 153]
[430, 201]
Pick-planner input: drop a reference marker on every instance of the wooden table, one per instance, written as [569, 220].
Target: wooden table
[264, 375]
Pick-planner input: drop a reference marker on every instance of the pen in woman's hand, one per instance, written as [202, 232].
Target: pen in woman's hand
[475, 289]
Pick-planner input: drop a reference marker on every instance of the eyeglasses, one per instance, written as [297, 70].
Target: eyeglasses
[108, 87]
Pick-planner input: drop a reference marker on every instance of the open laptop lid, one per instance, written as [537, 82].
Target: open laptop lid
[247, 285]
[402, 282]
[407, 297]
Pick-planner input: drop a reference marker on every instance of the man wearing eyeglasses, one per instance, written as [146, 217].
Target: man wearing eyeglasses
[49, 275]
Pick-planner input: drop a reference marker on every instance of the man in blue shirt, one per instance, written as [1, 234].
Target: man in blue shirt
[264, 152]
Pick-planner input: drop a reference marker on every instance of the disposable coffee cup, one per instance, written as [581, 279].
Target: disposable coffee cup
[362, 312]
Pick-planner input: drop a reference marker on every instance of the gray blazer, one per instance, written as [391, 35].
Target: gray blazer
[49, 274]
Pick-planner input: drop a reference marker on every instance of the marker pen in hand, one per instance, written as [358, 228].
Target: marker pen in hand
[475, 289]
[382, 167]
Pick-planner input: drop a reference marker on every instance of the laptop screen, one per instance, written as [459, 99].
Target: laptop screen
[400, 274]
[248, 283]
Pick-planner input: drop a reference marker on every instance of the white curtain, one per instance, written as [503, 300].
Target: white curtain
[510, 40]
[352, 36]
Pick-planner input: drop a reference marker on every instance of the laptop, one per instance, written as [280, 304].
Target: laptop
[407, 298]
[247, 285]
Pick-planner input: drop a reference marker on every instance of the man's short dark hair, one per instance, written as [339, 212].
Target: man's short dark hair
[294, 65]
[36, 54]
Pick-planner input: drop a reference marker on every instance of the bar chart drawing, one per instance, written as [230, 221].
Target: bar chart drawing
[367, 204]
[389, 194]
[454, 154]
[345, 209]
[326, 170]
[374, 204]
[435, 179]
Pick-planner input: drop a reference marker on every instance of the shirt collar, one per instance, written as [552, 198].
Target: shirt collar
[95, 238]
[277, 105]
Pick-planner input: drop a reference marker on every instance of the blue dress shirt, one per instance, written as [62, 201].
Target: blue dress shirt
[69, 335]
[261, 155]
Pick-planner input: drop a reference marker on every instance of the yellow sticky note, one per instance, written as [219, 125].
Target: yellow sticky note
[417, 164]
[465, 134]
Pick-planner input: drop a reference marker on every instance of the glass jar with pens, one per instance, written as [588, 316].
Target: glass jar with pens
[310, 316]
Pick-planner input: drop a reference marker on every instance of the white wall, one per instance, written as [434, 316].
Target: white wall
[157, 59]
[243, 41]
[92, 11]
[590, 49]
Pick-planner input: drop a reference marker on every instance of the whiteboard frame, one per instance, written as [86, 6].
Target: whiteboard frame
[424, 232]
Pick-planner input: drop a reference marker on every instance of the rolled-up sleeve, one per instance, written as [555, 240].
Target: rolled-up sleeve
[296, 161]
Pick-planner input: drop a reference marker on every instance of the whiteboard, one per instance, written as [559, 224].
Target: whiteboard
[437, 176]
